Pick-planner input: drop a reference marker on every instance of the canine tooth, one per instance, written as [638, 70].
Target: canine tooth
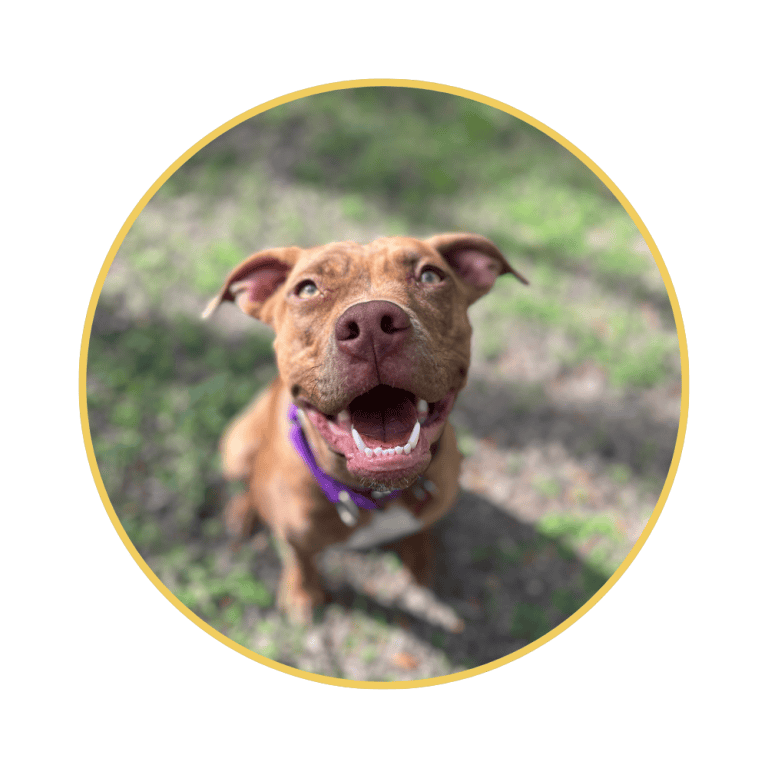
[377, 450]
[399, 449]
[423, 407]
[414, 438]
[343, 415]
[407, 449]
[368, 452]
[358, 440]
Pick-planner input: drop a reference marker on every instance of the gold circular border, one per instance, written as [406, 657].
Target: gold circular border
[429, 87]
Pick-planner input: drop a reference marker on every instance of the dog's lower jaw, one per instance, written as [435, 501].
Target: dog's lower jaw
[386, 487]
[337, 466]
[385, 482]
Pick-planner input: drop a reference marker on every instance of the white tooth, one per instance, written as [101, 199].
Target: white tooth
[358, 440]
[399, 449]
[343, 415]
[390, 451]
[377, 450]
[407, 449]
[368, 452]
[423, 406]
[414, 438]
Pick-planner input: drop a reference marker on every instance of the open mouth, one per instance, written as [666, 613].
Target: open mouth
[385, 434]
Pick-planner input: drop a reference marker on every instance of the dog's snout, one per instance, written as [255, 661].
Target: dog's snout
[372, 327]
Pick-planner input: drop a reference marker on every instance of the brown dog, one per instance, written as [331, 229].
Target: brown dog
[351, 443]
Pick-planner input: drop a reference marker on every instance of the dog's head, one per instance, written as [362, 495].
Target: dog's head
[372, 341]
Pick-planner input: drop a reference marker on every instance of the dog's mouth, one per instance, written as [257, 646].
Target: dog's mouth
[385, 434]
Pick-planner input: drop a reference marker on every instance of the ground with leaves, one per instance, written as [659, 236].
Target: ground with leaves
[568, 422]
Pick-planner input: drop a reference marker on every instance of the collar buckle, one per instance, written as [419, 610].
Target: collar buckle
[347, 509]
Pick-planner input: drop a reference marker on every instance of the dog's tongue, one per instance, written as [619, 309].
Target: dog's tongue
[384, 414]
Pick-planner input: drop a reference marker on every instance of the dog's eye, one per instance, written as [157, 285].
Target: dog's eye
[429, 275]
[306, 289]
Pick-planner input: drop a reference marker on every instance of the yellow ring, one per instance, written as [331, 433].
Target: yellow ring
[573, 150]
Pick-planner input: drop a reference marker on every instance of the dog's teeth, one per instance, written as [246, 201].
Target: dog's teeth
[358, 440]
[343, 415]
[379, 451]
[414, 438]
[423, 407]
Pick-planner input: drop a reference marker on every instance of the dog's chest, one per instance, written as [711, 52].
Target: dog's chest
[394, 522]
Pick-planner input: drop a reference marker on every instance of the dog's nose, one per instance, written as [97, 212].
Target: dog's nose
[372, 328]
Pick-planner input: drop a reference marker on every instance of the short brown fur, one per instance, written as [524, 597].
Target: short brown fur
[313, 369]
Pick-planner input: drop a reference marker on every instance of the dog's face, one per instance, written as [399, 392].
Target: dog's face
[372, 341]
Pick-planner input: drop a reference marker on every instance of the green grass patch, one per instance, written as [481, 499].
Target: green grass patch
[566, 601]
[529, 622]
[578, 529]
[615, 340]
[466, 441]
[547, 486]
[159, 397]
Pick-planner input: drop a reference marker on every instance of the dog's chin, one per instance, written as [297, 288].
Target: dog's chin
[385, 485]
[394, 478]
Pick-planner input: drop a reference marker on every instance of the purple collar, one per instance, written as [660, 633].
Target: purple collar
[334, 490]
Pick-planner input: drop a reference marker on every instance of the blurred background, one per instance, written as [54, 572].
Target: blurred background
[568, 422]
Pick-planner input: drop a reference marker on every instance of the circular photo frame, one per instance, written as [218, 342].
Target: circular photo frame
[570, 419]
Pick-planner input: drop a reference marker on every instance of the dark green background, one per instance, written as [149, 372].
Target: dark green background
[101, 667]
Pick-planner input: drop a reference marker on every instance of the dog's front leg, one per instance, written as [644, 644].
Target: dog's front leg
[240, 517]
[416, 552]
[300, 590]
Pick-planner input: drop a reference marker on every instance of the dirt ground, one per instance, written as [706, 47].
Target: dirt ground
[542, 444]
[568, 423]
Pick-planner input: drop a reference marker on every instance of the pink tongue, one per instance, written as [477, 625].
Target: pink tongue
[384, 414]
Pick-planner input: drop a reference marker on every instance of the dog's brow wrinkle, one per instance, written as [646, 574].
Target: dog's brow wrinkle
[334, 264]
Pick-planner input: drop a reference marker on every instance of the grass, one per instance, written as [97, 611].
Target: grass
[597, 539]
[159, 397]
[613, 336]
[529, 622]
[357, 165]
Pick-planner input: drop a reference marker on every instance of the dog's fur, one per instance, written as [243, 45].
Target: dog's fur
[388, 318]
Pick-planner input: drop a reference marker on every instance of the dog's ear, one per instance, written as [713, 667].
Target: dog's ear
[251, 284]
[475, 260]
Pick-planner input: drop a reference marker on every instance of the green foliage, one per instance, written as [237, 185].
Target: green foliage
[578, 529]
[566, 601]
[547, 486]
[620, 473]
[438, 145]
[597, 538]
[529, 622]
[466, 441]
[160, 395]
[355, 165]
[614, 339]
[218, 259]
